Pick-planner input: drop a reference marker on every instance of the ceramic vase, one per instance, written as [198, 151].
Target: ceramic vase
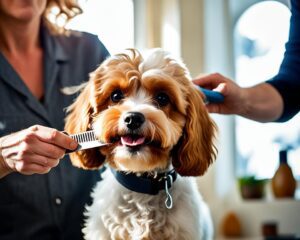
[283, 181]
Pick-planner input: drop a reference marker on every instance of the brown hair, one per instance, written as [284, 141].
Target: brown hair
[60, 10]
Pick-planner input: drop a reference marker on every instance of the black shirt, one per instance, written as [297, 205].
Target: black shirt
[287, 81]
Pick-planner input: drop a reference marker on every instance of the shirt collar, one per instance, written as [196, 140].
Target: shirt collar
[52, 46]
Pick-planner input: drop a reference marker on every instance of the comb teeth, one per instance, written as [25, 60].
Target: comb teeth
[84, 137]
[86, 140]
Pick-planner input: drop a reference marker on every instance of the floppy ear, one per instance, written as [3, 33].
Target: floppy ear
[195, 151]
[79, 120]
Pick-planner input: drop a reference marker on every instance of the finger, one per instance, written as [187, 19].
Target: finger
[47, 150]
[28, 158]
[26, 153]
[51, 135]
[203, 82]
[42, 160]
[31, 146]
[53, 162]
[209, 81]
[30, 169]
[204, 79]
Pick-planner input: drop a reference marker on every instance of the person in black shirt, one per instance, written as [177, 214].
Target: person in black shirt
[277, 99]
[37, 60]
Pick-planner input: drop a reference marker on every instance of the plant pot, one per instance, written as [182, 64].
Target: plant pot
[252, 188]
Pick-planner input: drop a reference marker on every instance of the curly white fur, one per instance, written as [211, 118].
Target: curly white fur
[118, 213]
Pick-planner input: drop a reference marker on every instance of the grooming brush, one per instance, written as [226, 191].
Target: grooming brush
[211, 96]
[86, 140]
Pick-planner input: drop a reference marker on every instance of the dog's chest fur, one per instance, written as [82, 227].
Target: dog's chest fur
[118, 213]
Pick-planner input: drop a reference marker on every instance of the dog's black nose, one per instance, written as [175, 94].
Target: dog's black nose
[134, 120]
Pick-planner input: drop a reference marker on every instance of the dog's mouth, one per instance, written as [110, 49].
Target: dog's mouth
[134, 141]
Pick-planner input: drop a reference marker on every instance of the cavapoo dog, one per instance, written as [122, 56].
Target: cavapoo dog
[160, 135]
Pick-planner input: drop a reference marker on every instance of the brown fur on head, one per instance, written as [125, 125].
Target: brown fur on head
[150, 112]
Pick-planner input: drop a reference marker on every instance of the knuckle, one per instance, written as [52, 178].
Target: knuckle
[61, 154]
[21, 166]
[53, 134]
[24, 150]
[29, 137]
[44, 161]
[55, 153]
[34, 127]
[216, 74]
[25, 146]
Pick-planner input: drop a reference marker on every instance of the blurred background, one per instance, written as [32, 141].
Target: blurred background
[243, 40]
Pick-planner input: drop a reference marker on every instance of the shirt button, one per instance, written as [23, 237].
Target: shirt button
[58, 201]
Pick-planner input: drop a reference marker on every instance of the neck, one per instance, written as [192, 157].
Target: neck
[19, 37]
[145, 183]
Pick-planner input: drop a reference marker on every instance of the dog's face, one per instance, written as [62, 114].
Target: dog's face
[150, 112]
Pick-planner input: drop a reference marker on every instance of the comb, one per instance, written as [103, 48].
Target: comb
[86, 140]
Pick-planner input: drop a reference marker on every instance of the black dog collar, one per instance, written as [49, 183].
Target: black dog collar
[147, 184]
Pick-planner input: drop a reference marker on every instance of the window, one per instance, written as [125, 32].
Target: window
[259, 37]
[111, 20]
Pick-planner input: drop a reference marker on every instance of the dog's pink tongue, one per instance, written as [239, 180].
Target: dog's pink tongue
[130, 141]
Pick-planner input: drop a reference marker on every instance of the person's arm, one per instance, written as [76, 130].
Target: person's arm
[33, 150]
[261, 102]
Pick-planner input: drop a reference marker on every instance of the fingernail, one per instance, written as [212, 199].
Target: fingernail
[73, 145]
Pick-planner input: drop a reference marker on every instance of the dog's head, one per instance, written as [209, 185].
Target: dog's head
[150, 112]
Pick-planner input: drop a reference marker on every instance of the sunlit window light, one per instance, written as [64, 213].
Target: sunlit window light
[260, 36]
[111, 20]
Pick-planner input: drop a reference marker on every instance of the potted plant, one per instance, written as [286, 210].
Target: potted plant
[251, 187]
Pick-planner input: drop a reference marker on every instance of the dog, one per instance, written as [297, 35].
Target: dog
[160, 135]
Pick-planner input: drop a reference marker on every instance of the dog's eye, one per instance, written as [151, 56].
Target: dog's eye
[117, 96]
[162, 99]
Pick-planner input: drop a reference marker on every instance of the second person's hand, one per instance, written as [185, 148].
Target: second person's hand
[233, 94]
